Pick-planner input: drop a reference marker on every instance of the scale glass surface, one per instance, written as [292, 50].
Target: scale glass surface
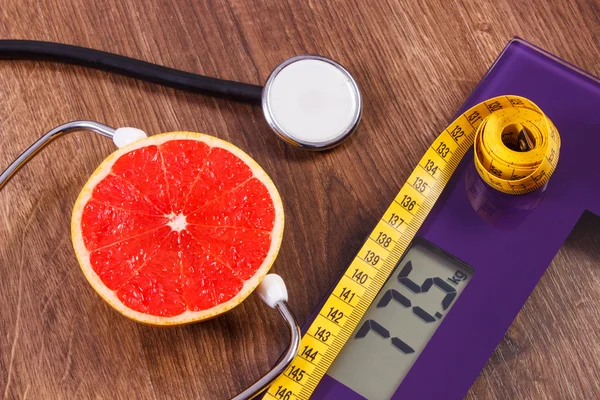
[430, 338]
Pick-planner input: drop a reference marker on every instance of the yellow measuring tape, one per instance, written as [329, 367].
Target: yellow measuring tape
[516, 151]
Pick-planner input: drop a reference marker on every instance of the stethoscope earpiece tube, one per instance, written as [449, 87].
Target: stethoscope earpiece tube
[138, 69]
[42, 142]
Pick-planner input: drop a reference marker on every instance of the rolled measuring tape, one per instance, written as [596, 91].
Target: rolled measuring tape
[516, 151]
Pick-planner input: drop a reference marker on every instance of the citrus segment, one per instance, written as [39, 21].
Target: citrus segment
[144, 169]
[118, 262]
[249, 205]
[202, 266]
[103, 224]
[156, 288]
[243, 248]
[177, 228]
[183, 162]
[222, 173]
[116, 191]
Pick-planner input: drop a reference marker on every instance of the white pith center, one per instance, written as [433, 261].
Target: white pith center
[177, 222]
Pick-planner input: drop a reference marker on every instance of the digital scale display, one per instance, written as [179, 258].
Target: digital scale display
[399, 323]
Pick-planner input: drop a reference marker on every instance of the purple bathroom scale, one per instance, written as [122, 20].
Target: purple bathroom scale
[479, 255]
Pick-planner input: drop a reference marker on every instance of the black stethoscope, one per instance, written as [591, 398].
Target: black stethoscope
[309, 101]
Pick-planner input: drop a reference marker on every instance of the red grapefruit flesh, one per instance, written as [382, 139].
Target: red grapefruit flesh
[177, 228]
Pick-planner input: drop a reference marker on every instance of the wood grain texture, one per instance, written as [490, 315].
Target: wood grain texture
[416, 62]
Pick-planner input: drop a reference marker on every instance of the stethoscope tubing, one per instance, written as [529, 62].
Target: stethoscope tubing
[48, 137]
[131, 67]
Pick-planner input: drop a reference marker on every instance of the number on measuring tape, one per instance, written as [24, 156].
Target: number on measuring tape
[474, 117]
[309, 353]
[322, 334]
[371, 258]
[495, 171]
[395, 220]
[431, 167]
[408, 203]
[335, 315]
[516, 102]
[360, 276]
[283, 393]
[442, 150]
[457, 133]
[296, 373]
[494, 106]
[420, 184]
[347, 295]
[384, 240]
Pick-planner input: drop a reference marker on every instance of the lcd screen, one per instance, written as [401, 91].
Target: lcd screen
[403, 317]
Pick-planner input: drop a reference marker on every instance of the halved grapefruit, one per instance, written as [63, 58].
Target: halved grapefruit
[177, 228]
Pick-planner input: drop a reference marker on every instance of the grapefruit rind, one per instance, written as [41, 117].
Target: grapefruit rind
[187, 317]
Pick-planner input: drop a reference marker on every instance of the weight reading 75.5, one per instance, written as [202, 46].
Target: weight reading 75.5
[407, 311]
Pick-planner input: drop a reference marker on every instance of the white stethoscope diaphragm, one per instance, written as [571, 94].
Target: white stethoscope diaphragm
[312, 102]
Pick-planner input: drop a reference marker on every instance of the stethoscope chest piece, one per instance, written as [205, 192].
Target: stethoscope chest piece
[312, 102]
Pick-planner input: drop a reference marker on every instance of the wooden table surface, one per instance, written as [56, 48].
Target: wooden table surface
[416, 62]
